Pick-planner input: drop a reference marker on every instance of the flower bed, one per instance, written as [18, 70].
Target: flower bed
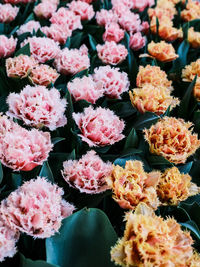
[99, 133]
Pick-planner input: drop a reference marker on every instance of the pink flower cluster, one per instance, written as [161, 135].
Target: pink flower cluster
[72, 61]
[67, 17]
[23, 66]
[120, 18]
[99, 127]
[87, 174]
[28, 27]
[114, 82]
[85, 88]
[36, 208]
[8, 239]
[37, 106]
[7, 13]
[57, 32]
[21, 149]
[42, 48]
[105, 81]
[82, 9]
[45, 9]
[7, 46]
[112, 53]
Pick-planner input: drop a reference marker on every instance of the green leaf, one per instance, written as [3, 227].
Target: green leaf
[122, 161]
[68, 42]
[181, 61]
[186, 167]
[1, 173]
[30, 17]
[24, 262]
[155, 160]
[72, 155]
[25, 50]
[57, 140]
[123, 109]
[193, 210]
[2, 28]
[130, 152]
[131, 140]
[85, 240]
[16, 180]
[76, 40]
[145, 120]
[93, 42]
[46, 171]
[80, 74]
[190, 225]
[184, 105]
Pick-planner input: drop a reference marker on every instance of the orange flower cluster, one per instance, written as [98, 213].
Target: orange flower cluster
[162, 51]
[173, 139]
[194, 38]
[152, 75]
[154, 94]
[153, 99]
[189, 73]
[174, 187]
[150, 240]
[164, 11]
[192, 11]
[132, 185]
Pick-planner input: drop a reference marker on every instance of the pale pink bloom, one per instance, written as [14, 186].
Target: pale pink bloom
[7, 46]
[67, 17]
[42, 48]
[113, 33]
[72, 61]
[99, 127]
[126, 3]
[85, 88]
[20, 66]
[37, 106]
[45, 9]
[130, 22]
[104, 17]
[29, 27]
[83, 9]
[57, 32]
[55, 2]
[8, 13]
[120, 9]
[88, 173]
[8, 239]
[43, 75]
[36, 208]
[112, 53]
[142, 4]
[21, 149]
[15, 2]
[145, 27]
[114, 82]
[137, 41]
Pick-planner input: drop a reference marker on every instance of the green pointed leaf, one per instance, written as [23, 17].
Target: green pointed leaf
[25, 50]
[155, 160]
[131, 140]
[85, 240]
[186, 167]
[57, 140]
[24, 262]
[16, 180]
[93, 42]
[181, 61]
[145, 120]
[190, 225]
[30, 17]
[193, 210]
[184, 105]
[46, 171]
[123, 109]
[68, 42]
[76, 40]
